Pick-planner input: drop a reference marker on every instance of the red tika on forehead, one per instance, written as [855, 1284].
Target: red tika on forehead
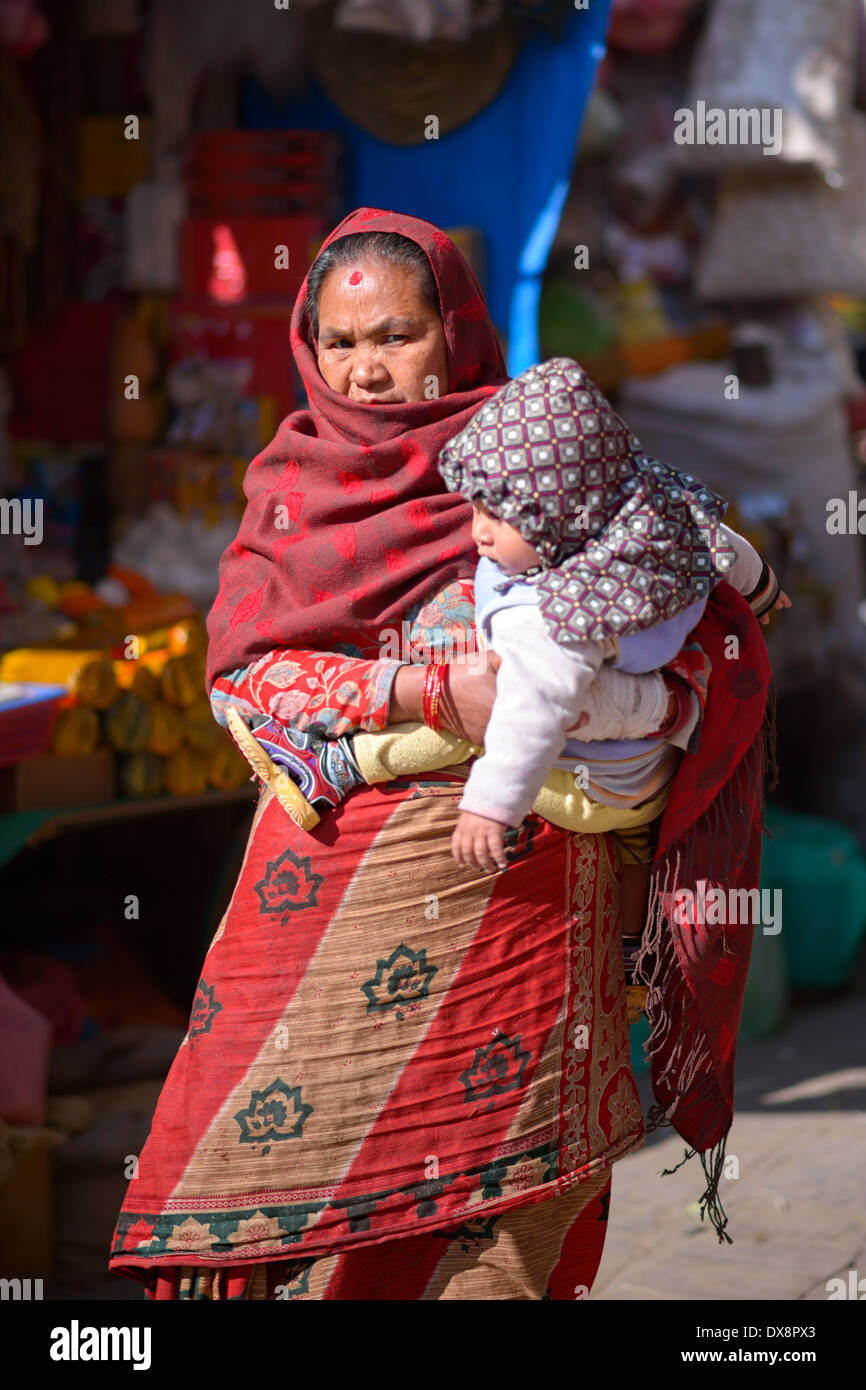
[355, 278]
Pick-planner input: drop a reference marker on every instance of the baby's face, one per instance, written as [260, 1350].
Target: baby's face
[501, 542]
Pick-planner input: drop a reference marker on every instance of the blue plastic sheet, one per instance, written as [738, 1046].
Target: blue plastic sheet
[506, 172]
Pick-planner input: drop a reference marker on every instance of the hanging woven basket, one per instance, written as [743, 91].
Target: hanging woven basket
[391, 87]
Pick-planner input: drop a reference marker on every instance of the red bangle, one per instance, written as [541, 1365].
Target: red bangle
[434, 680]
[449, 712]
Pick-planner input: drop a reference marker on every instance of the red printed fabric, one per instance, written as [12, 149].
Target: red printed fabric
[303, 687]
[348, 522]
[349, 689]
[551, 1252]
[383, 1044]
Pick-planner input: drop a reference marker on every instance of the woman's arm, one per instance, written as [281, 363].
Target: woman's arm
[469, 694]
[345, 694]
[301, 687]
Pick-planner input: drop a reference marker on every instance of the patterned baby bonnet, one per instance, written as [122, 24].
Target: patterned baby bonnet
[625, 540]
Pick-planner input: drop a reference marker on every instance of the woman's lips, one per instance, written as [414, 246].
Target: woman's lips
[387, 398]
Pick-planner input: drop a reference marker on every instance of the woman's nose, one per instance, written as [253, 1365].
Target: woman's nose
[367, 369]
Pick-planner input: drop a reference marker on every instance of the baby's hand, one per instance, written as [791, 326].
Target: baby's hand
[479, 843]
[781, 602]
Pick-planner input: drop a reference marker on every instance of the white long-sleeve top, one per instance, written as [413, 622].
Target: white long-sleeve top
[542, 687]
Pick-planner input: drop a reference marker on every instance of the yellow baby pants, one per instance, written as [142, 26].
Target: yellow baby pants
[403, 750]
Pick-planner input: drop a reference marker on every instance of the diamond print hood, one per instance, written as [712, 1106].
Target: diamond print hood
[625, 540]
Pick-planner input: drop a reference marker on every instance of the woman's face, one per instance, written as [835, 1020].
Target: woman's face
[380, 340]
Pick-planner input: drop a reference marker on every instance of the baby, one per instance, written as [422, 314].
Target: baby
[624, 550]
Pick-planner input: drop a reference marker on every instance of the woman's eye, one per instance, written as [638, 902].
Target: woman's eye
[395, 338]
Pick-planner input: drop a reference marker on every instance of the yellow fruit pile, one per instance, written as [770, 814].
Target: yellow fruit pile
[150, 707]
[162, 725]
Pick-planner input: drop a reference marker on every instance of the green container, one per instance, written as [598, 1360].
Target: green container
[767, 994]
[819, 867]
[639, 1034]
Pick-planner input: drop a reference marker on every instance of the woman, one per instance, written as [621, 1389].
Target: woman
[403, 1079]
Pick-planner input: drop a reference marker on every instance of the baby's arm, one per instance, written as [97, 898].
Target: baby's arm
[541, 688]
[752, 577]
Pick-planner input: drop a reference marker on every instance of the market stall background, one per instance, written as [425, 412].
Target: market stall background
[168, 173]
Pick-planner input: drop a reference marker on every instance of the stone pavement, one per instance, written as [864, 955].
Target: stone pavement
[797, 1211]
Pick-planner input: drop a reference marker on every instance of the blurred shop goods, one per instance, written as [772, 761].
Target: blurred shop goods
[860, 54]
[752, 355]
[187, 42]
[25, 1046]
[153, 213]
[109, 164]
[257, 203]
[602, 125]
[790, 235]
[28, 715]
[27, 1198]
[649, 26]
[763, 444]
[794, 56]
[126, 715]
[21, 147]
[253, 342]
[176, 552]
[49, 986]
[109, 18]
[71, 353]
[72, 1110]
[135, 407]
[23, 28]
[138, 1041]
[21, 154]
[6, 481]
[211, 408]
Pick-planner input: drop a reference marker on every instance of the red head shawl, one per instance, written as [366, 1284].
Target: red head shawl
[366, 526]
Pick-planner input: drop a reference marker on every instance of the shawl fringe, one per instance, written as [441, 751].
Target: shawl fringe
[713, 846]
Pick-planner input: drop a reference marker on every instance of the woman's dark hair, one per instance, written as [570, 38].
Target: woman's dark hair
[388, 247]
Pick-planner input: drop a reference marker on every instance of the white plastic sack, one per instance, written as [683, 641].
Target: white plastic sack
[796, 56]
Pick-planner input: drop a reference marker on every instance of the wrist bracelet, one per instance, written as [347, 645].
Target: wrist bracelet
[765, 592]
[449, 715]
[434, 680]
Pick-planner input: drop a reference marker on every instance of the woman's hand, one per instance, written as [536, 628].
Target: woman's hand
[468, 697]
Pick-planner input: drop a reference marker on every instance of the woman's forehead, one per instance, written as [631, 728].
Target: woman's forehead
[372, 291]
